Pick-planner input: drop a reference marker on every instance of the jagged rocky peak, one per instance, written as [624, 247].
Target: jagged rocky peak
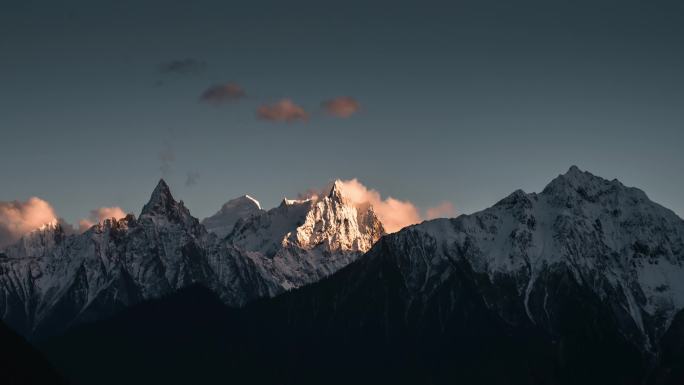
[223, 222]
[331, 222]
[113, 224]
[337, 191]
[161, 201]
[336, 223]
[162, 204]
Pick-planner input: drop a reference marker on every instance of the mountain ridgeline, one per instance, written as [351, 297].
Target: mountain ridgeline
[581, 283]
[51, 281]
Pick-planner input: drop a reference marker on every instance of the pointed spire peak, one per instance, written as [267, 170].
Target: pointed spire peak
[162, 188]
[161, 201]
[336, 189]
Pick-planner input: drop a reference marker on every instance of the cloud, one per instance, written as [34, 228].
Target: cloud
[341, 107]
[443, 210]
[166, 156]
[221, 93]
[99, 215]
[285, 110]
[18, 218]
[192, 179]
[183, 66]
[393, 213]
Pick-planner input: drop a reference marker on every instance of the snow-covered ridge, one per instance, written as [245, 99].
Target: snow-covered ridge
[39, 242]
[50, 280]
[614, 241]
[224, 220]
[302, 241]
[619, 245]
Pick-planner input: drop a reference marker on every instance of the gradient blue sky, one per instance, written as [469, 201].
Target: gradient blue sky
[463, 101]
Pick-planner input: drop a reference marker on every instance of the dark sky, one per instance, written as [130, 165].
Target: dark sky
[460, 101]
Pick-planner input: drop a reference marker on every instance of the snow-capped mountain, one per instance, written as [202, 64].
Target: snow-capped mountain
[302, 241]
[578, 284]
[611, 240]
[581, 283]
[50, 280]
[224, 220]
[58, 281]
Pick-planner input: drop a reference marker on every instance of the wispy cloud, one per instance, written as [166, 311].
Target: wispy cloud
[166, 156]
[186, 66]
[192, 178]
[341, 107]
[222, 93]
[284, 110]
[443, 210]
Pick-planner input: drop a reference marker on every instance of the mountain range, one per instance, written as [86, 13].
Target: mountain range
[51, 281]
[580, 283]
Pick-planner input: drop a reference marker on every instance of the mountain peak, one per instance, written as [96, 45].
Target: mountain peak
[223, 222]
[575, 179]
[241, 201]
[336, 190]
[249, 200]
[162, 188]
[574, 170]
[161, 201]
[339, 224]
[578, 186]
[575, 174]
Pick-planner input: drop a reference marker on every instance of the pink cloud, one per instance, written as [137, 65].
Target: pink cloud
[99, 215]
[18, 218]
[284, 110]
[220, 93]
[393, 213]
[341, 107]
[443, 210]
